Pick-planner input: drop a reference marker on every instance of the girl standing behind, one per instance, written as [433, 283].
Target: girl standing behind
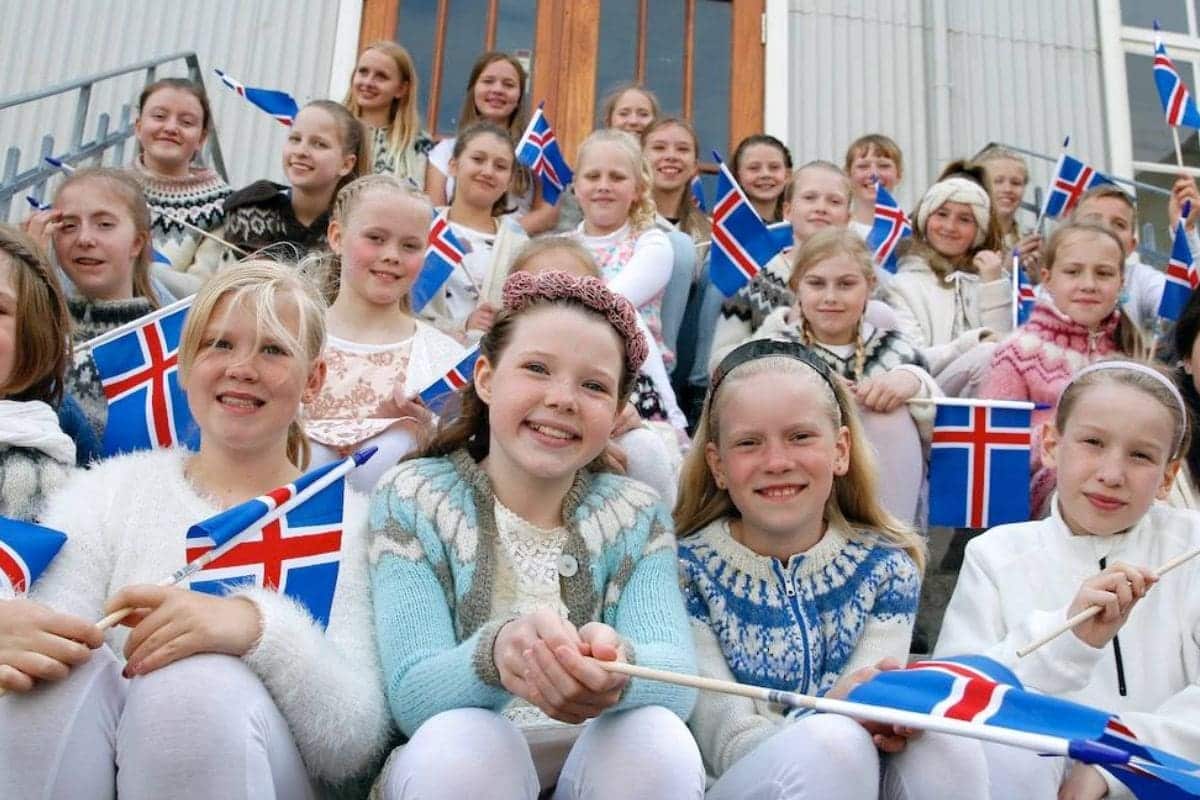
[501, 561]
[1007, 176]
[174, 120]
[383, 96]
[35, 455]
[630, 107]
[796, 579]
[377, 237]
[325, 149]
[482, 166]
[1077, 321]
[868, 159]
[761, 165]
[1117, 439]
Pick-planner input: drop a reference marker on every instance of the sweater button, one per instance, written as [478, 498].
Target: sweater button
[567, 565]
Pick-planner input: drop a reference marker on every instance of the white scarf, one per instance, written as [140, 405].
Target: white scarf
[33, 425]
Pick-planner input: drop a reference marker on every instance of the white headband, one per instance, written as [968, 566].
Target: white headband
[1142, 369]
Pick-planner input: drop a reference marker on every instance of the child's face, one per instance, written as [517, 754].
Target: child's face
[8, 320]
[483, 171]
[382, 246]
[170, 129]
[818, 201]
[832, 296]
[552, 395]
[1085, 282]
[98, 243]
[778, 453]
[1111, 458]
[243, 390]
[671, 154]
[1112, 213]
[1007, 180]
[606, 186]
[762, 173]
[633, 112]
[377, 81]
[869, 165]
[313, 155]
[497, 92]
[951, 229]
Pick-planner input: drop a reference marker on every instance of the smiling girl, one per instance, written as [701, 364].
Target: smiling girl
[762, 164]
[868, 159]
[383, 96]
[630, 107]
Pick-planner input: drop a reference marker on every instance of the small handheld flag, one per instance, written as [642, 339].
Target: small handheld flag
[37, 205]
[741, 243]
[781, 235]
[1177, 103]
[139, 371]
[979, 463]
[1071, 179]
[1024, 297]
[697, 189]
[442, 254]
[280, 105]
[890, 228]
[25, 552]
[538, 149]
[1182, 276]
[456, 379]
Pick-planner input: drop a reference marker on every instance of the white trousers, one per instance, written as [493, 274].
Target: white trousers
[474, 753]
[202, 727]
[1015, 772]
[899, 459]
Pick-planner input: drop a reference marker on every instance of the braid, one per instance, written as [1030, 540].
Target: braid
[860, 353]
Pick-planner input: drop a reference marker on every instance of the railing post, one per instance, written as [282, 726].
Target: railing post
[126, 125]
[39, 191]
[11, 159]
[81, 111]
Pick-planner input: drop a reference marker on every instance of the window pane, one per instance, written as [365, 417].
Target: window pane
[664, 53]
[1152, 214]
[465, 33]
[1171, 14]
[616, 56]
[710, 84]
[515, 26]
[416, 24]
[1151, 135]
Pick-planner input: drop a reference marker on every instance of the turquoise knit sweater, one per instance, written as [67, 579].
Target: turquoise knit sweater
[433, 561]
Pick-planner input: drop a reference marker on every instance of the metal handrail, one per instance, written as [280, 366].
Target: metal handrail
[35, 177]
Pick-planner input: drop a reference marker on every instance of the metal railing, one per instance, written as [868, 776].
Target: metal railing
[104, 141]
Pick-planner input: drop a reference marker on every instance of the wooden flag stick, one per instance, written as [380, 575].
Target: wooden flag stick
[971, 402]
[1178, 149]
[1091, 611]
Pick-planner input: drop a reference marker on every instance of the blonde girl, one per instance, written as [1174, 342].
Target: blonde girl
[383, 96]
[483, 643]
[795, 576]
[1116, 440]
[1077, 321]
[377, 237]
[194, 694]
[630, 107]
[173, 123]
[1007, 176]
[870, 158]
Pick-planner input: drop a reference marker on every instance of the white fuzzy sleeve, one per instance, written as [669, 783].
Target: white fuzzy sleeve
[648, 270]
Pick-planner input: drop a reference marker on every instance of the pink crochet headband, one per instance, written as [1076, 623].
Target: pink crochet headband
[523, 289]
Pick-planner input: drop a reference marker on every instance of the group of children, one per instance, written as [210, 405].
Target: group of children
[558, 516]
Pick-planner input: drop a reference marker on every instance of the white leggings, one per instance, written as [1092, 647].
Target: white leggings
[899, 456]
[202, 727]
[474, 753]
[1016, 772]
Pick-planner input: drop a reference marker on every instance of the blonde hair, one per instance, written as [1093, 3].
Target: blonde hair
[822, 246]
[43, 323]
[128, 191]
[564, 244]
[259, 287]
[853, 503]
[609, 104]
[998, 152]
[692, 220]
[405, 121]
[1099, 193]
[789, 191]
[642, 211]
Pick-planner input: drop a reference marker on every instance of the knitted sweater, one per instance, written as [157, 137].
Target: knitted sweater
[433, 571]
[745, 312]
[126, 519]
[408, 164]
[261, 215]
[36, 458]
[844, 604]
[1036, 363]
[93, 318]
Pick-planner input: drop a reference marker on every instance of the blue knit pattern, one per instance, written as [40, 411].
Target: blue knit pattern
[799, 641]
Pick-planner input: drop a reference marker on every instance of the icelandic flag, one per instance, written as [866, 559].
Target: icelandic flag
[979, 690]
[1071, 179]
[139, 372]
[442, 254]
[25, 552]
[697, 189]
[280, 105]
[298, 553]
[781, 235]
[979, 464]
[36, 204]
[1177, 103]
[890, 228]
[741, 243]
[1182, 277]
[460, 375]
[538, 150]
[1026, 298]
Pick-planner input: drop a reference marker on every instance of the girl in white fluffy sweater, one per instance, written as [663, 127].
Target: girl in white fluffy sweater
[234, 696]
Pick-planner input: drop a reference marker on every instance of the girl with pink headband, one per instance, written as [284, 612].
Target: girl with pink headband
[504, 558]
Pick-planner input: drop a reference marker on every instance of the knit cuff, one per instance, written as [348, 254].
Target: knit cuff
[484, 660]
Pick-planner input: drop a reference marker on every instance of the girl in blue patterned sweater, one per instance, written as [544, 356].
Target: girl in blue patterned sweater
[797, 579]
[502, 563]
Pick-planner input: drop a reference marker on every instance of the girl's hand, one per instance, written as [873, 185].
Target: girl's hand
[629, 420]
[482, 317]
[1116, 590]
[571, 687]
[1083, 783]
[1030, 247]
[39, 644]
[1184, 189]
[519, 635]
[401, 406]
[42, 226]
[887, 392]
[170, 623]
[887, 738]
[989, 264]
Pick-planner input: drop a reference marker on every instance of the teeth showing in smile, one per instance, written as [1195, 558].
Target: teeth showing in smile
[240, 402]
[553, 433]
[779, 491]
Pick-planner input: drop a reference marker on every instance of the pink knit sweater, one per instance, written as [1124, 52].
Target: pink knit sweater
[1035, 363]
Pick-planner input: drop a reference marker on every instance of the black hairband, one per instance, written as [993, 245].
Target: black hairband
[766, 348]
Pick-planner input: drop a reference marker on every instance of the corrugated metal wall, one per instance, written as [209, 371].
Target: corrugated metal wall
[286, 44]
[1024, 72]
